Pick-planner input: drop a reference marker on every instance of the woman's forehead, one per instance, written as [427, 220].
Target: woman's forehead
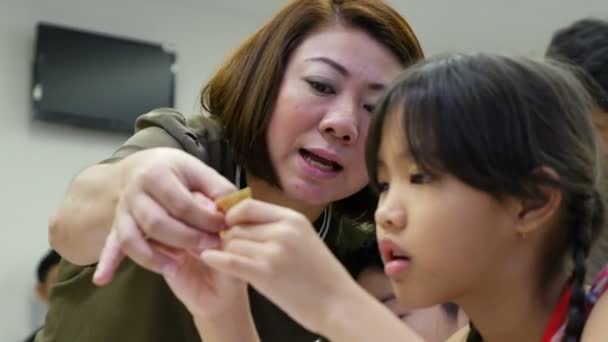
[352, 48]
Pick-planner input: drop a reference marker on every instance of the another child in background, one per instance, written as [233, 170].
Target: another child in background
[46, 275]
[584, 44]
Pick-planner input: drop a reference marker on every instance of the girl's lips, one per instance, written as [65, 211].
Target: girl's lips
[396, 261]
[395, 267]
[389, 250]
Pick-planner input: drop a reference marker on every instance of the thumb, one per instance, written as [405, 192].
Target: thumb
[202, 178]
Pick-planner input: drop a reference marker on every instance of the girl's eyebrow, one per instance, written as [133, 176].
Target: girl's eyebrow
[381, 164]
[405, 154]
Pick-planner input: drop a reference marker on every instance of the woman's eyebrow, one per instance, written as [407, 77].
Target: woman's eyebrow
[343, 70]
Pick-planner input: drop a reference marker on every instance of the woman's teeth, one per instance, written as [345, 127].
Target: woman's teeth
[319, 164]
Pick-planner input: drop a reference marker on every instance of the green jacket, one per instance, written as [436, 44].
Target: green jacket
[138, 306]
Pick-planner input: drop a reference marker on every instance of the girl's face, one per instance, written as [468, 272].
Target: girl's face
[317, 132]
[432, 323]
[440, 239]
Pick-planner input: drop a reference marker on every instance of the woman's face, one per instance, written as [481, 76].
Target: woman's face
[317, 132]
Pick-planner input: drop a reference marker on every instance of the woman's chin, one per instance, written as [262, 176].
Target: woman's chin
[310, 198]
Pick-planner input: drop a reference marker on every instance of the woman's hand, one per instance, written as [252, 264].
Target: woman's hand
[278, 251]
[168, 200]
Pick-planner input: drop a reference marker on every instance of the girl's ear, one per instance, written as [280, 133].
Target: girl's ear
[534, 214]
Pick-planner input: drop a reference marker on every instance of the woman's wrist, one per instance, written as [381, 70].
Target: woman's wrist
[232, 324]
[340, 308]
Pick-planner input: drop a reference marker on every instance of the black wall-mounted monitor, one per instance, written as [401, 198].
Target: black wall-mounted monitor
[95, 80]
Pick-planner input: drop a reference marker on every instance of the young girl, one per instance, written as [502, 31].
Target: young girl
[488, 172]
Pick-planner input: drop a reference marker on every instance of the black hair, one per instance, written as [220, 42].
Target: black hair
[584, 43]
[50, 259]
[496, 123]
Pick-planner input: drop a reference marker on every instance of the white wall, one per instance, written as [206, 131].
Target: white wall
[38, 159]
[504, 26]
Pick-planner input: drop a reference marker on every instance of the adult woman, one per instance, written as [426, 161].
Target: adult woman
[289, 113]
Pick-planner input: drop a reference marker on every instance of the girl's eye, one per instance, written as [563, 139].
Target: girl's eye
[321, 87]
[382, 187]
[420, 178]
[369, 108]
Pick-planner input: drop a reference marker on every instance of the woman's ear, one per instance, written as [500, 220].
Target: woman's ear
[534, 214]
[41, 292]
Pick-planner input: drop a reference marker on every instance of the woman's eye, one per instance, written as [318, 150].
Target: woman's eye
[420, 178]
[369, 108]
[321, 87]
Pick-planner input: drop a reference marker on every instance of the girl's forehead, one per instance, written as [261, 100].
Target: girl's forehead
[393, 143]
[393, 129]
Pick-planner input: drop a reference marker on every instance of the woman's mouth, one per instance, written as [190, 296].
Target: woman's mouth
[323, 163]
[319, 164]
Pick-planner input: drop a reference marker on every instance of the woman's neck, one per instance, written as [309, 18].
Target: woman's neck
[512, 309]
[263, 191]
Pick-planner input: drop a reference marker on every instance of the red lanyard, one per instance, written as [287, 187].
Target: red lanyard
[558, 318]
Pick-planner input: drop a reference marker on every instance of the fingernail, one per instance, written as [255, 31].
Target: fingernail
[96, 276]
[207, 242]
[97, 271]
[209, 204]
[205, 201]
[203, 254]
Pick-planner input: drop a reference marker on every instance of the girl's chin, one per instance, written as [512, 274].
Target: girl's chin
[413, 301]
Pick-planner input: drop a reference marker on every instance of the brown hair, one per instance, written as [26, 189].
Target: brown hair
[242, 93]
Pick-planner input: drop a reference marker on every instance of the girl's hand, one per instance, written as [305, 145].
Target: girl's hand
[278, 252]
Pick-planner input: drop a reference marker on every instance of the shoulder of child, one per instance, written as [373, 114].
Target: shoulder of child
[596, 328]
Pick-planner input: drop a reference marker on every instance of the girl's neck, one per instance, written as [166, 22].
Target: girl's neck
[263, 191]
[512, 309]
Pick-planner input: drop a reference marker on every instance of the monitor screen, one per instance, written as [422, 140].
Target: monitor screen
[95, 80]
